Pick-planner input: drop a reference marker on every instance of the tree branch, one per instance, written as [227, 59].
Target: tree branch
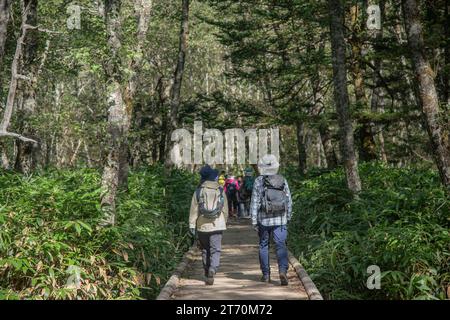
[17, 136]
[28, 26]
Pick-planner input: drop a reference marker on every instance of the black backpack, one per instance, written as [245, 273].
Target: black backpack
[274, 198]
[231, 189]
[203, 209]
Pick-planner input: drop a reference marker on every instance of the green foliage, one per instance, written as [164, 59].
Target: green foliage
[154, 214]
[400, 223]
[50, 243]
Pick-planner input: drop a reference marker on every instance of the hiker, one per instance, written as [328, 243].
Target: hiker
[240, 197]
[271, 210]
[222, 179]
[231, 189]
[245, 192]
[207, 219]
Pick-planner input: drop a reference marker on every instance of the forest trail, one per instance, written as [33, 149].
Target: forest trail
[239, 273]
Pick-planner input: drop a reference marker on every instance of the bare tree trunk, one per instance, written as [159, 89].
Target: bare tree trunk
[177, 79]
[427, 89]
[341, 94]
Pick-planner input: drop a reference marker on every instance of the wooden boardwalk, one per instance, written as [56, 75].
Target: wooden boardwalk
[239, 273]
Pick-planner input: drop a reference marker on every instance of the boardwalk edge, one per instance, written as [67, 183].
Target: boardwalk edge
[310, 287]
[172, 284]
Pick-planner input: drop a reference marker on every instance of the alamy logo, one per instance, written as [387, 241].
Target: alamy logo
[208, 146]
[374, 280]
[74, 20]
[374, 19]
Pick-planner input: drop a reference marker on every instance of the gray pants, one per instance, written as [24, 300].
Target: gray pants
[211, 246]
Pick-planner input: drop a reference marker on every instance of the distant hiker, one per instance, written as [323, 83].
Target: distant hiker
[231, 189]
[245, 192]
[271, 210]
[208, 218]
[222, 179]
[240, 198]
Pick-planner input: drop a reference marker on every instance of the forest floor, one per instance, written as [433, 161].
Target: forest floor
[239, 273]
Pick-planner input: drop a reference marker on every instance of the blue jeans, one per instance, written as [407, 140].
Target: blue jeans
[279, 234]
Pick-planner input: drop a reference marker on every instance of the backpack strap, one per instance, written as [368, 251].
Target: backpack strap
[197, 193]
[264, 192]
[264, 182]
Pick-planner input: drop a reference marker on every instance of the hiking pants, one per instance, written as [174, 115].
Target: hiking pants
[211, 246]
[241, 210]
[279, 234]
[232, 202]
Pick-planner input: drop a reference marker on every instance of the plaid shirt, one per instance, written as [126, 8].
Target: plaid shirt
[258, 215]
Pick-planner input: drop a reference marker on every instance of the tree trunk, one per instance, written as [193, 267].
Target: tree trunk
[341, 95]
[87, 154]
[409, 96]
[26, 96]
[4, 161]
[427, 89]
[366, 141]
[327, 143]
[162, 97]
[177, 79]
[378, 101]
[142, 12]
[115, 174]
[5, 6]
[13, 84]
[324, 130]
[118, 114]
[73, 159]
[4, 19]
[301, 147]
[446, 76]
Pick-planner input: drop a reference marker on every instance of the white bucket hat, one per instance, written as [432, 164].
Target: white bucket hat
[268, 165]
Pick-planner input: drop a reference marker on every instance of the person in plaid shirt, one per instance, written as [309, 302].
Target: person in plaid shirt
[267, 224]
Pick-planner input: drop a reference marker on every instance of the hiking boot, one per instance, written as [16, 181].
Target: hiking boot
[210, 278]
[265, 278]
[283, 279]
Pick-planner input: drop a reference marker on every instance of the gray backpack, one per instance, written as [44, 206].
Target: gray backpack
[274, 198]
[210, 203]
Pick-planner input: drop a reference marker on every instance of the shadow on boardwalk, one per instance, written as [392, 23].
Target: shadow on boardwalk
[239, 273]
